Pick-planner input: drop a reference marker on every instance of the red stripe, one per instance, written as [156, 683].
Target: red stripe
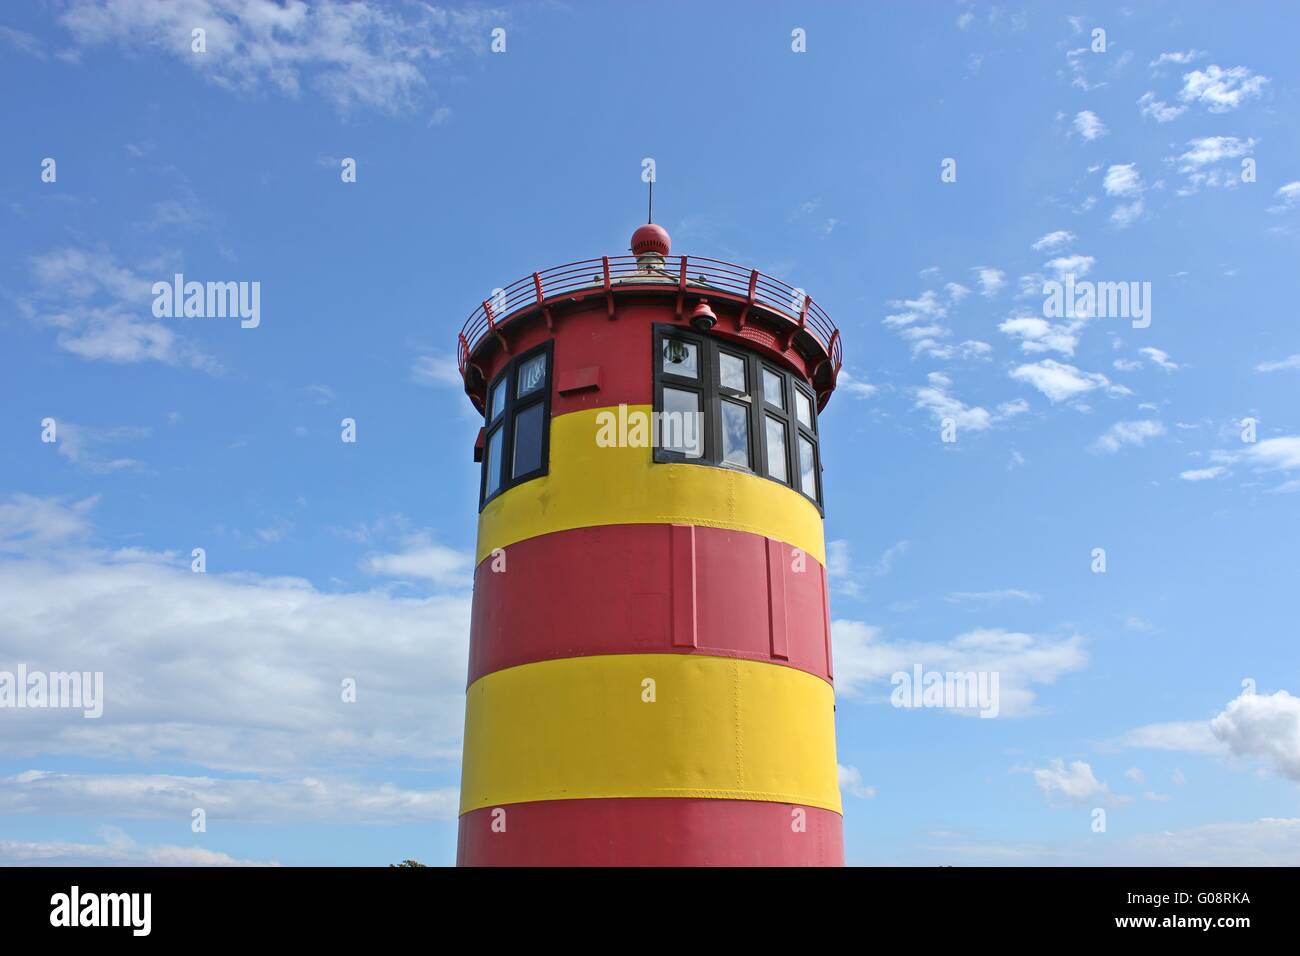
[666, 831]
[603, 363]
[627, 589]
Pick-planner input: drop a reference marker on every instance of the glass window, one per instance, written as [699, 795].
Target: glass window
[518, 423]
[727, 405]
[731, 372]
[681, 358]
[803, 408]
[735, 433]
[679, 426]
[773, 391]
[807, 468]
[528, 440]
[776, 449]
[532, 375]
[497, 403]
[492, 463]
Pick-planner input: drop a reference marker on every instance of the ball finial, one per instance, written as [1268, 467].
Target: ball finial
[651, 239]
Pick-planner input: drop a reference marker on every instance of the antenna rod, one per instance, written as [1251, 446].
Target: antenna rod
[650, 213]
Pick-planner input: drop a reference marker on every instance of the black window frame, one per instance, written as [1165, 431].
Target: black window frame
[508, 378]
[708, 386]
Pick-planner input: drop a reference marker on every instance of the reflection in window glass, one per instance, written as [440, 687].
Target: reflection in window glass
[803, 408]
[772, 392]
[680, 426]
[731, 372]
[497, 404]
[776, 449]
[807, 476]
[681, 358]
[735, 434]
[532, 375]
[493, 462]
[528, 441]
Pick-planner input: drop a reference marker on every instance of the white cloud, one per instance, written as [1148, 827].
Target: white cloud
[230, 671]
[937, 398]
[991, 280]
[116, 849]
[1076, 265]
[1203, 474]
[1213, 149]
[851, 783]
[1054, 240]
[1265, 726]
[1128, 433]
[1253, 725]
[356, 54]
[1123, 180]
[1180, 57]
[103, 311]
[1039, 335]
[992, 597]
[1182, 736]
[436, 370]
[91, 448]
[1125, 215]
[1058, 381]
[1289, 196]
[423, 559]
[169, 797]
[1158, 110]
[1074, 784]
[1291, 362]
[854, 386]
[1089, 125]
[1160, 358]
[865, 661]
[1221, 90]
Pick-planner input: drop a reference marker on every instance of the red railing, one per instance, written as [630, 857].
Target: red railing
[694, 274]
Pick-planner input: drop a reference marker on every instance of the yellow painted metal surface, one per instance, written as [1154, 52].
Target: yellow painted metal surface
[593, 485]
[586, 727]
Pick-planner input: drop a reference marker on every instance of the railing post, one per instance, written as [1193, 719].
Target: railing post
[609, 295]
[749, 299]
[492, 326]
[681, 289]
[546, 313]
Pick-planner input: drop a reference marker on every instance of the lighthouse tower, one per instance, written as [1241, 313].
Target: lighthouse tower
[650, 675]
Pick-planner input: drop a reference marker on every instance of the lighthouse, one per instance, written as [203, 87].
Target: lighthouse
[650, 679]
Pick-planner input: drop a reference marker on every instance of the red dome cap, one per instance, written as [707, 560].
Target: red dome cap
[651, 238]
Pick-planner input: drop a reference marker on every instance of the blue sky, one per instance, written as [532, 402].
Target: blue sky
[1121, 691]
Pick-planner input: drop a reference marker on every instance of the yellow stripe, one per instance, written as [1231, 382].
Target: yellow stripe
[590, 485]
[579, 728]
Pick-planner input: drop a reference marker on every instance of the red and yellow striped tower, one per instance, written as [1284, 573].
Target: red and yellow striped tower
[650, 661]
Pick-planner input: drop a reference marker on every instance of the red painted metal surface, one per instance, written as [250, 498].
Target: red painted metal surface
[608, 276]
[649, 589]
[635, 831]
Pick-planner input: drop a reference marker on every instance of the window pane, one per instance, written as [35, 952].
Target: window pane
[772, 390]
[532, 375]
[807, 477]
[731, 372]
[492, 462]
[681, 358]
[803, 408]
[680, 425]
[528, 441]
[497, 403]
[735, 434]
[776, 449]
